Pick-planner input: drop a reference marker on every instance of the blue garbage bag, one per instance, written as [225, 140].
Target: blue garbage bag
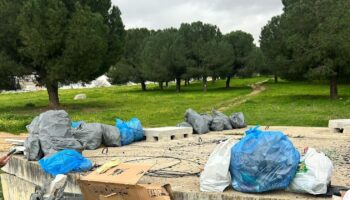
[64, 162]
[126, 134]
[76, 124]
[136, 126]
[130, 131]
[263, 161]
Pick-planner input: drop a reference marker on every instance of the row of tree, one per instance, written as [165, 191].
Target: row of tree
[310, 40]
[195, 50]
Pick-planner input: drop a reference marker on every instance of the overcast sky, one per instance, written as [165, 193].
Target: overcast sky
[228, 15]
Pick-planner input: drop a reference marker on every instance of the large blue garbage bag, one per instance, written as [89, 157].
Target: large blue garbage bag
[130, 131]
[263, 161]
[64, 162]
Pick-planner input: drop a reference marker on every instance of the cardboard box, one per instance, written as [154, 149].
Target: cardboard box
[120, 183]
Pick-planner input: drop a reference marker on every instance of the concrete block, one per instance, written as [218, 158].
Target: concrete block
[167, 133]
[339, 126]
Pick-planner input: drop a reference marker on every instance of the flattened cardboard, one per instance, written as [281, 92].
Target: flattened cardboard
[125, 173]
[143, 192]
[120, 183]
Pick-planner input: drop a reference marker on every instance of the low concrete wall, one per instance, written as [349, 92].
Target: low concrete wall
[31, 172]
[16, 188]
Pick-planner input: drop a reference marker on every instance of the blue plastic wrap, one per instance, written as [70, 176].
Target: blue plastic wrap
[64, 162]
[130, 131]
[263, 161]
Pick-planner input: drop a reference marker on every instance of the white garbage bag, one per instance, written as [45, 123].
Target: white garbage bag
[216, 176]
[347, 195]
[314, 174]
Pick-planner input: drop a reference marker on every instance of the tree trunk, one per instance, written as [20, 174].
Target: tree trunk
[52, 91]
[178, 84]
[167, 84]
[205, 84]
[213, 81]
[333, 87]
[143, 86]
[187, 81]
[161, 85]
[228, 81]
[276, 78]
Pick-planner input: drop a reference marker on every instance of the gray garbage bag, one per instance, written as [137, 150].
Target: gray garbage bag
[89, 134]
[32, 150]
[184, 124]
[33, 127]
[199, 125]
[207, 118]
[53, 124]
[49, 133]
[65, 143]
[217, 124]
[224, 118]
[237, 120]
[111, 136]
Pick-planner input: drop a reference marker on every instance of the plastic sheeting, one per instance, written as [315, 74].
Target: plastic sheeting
[263, 161]
[199, 125]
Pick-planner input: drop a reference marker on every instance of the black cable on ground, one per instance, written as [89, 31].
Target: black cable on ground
[162, 172]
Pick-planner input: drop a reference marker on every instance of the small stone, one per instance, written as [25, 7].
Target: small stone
[80, 97]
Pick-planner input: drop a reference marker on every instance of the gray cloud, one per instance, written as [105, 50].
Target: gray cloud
[228, 15]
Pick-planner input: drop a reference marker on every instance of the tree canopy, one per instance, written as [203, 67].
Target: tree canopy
[61, 41]
[310, 40]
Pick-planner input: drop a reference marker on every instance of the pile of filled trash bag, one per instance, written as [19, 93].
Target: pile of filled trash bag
[217, 121]
[53, 131]
[265, 161]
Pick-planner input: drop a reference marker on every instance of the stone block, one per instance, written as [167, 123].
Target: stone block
[167, 133]
[339, 126]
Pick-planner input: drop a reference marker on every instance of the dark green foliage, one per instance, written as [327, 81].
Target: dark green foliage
[242, 45]
[199, 39]
[61, 41]
[311, 39]
[130, 67]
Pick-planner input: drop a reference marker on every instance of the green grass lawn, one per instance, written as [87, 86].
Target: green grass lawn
[296, 104]
[286, 103]
[153, 108]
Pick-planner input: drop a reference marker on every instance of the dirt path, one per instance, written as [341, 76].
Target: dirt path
[257, 88]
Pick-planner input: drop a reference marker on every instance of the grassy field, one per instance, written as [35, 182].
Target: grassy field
[286, 103]
[153, 108]
[296, 104]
